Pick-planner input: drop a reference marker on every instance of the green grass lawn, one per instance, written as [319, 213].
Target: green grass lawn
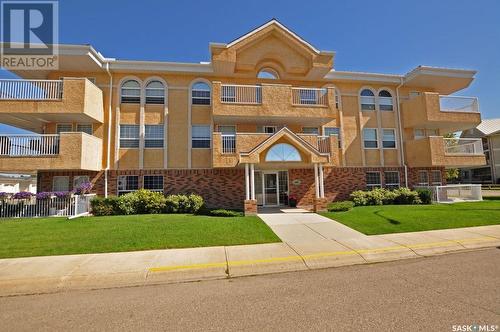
[60, 236]
[385, 219]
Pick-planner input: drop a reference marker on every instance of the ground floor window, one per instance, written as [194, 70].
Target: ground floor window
[60, 183]
[391, 179]
[153, 182]
[373, 180]
[127, 183]
[436, 178]
[79, 180]
[423, 178]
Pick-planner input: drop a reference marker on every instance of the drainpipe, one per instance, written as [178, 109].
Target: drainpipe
[402, 151]
[108, 154]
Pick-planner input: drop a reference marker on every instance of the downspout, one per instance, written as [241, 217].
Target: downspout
[108, 150]
[402, 151]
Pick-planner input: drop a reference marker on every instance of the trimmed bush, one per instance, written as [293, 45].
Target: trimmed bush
[104, 206]
[359, 197]
[425, 195]
[340, 206]
[225, 213]
[183, 204]
[381, 196]
[406, 196]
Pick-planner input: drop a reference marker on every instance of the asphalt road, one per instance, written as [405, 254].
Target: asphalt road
[427, 294]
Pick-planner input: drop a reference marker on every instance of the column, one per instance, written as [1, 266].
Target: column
[252, 181]
[316, 184]
[247, 183]
[321, 182]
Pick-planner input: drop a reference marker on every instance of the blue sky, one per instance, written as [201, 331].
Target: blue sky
[374, 36]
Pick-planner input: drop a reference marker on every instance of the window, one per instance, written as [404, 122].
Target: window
[423, 178]
[129, 136]
[268, 73]
[391, 179]
[329, 131]
[155, 93]
[432, 132]
[419, 133]
[436, 178]
[227, 130]
[153, 136]
[84, 128]
[79, 180]
[200, 137]
[367, 100]
[64, 128]
[131, 92]
[153, 182]
[389, 138]
[370, 139]
[60, 183]
[200, 94]
[385, 101]
[373, 180]
[270, 129]
[127, 183]
[310, 130]
[283, 152]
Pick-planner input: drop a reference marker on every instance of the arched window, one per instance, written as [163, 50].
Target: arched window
[283, 152]
[268, 73]
[200, 94]
[367, 100]
[155, 93]
[385, 101]
[131, 92]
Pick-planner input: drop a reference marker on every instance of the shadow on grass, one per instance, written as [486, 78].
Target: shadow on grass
[390, 220]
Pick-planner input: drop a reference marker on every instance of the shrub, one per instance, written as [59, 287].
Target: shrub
[425, 195]
[376, 196]
[142, 201]
[406, 196]
[359, 197]
[183, 204]
[340, 206]
[225, 213]
[105, 206]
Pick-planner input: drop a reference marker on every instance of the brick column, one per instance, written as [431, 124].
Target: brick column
[320, 204]
[250, 207]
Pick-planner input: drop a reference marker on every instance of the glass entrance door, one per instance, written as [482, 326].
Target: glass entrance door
[271, 196]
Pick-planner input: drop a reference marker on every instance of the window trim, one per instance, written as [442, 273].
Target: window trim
[146, 139]
[164, 96]
[154, 175]
[395, 140]
[209, 98]
[376, 139]
[59, 177]
[426, 176]
[385, 98]
[138, 139]
[372, 186]
[390, 185]
[122, 94]
[125, 191]
[360, 98]
[201, 138]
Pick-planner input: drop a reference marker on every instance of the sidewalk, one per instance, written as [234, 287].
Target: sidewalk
[310, 241]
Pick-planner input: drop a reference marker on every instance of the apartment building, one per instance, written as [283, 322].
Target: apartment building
[268, 118]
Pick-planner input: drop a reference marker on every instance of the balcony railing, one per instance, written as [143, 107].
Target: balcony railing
[29, 145]
[31, 89]
[241, 94]
[463, 146]
[309, 96]
[324, 144]
[458, 104]
[228, 144]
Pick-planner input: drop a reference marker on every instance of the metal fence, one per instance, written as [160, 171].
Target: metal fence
[12, 89]
[228, 143]
[71, 206]
[29, 145]
[241, 94]
[454, 193]
[309, 96]
[324, 144]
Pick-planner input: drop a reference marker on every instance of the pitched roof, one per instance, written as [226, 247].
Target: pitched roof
[489, 126]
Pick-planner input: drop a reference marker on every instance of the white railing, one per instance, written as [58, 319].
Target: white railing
[463, 146]
[31, 89]
[228, 144]
[29, 145]
[454, 193]
[324, 144]
[458, 104]
[32, 207]
[241, 94]
[309, 96]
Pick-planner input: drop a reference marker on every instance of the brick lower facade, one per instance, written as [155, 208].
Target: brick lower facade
[225, 188]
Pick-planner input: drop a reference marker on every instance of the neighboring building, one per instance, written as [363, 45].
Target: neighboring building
[267, 118]
[14, 183]
[489, 132]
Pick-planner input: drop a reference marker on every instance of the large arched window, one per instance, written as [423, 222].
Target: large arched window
[155, 93]
[367, 100]
[200, 94]
[131, 92]
[385, 101]
[268, 73]
[283, 152]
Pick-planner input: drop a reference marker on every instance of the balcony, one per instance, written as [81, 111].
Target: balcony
[273, 102]
[449, 113]
[227, 148]
[448, 152]
[66, 151]
[30, 104]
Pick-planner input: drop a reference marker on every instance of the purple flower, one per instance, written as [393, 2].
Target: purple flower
[62, 194]
[83, 188]
[22, 195]
[44, 195]
[4, 195]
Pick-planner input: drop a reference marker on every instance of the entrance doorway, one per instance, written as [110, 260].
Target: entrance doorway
[271, 188]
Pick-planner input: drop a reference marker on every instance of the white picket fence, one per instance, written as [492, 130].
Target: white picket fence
[71, 206]
[454, 193]
[16, 89]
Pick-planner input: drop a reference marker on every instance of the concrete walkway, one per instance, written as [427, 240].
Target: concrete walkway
[309, 241]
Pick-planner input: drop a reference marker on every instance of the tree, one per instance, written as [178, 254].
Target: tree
[451, 173]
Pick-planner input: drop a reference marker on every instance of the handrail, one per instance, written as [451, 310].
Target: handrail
[19, 89]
